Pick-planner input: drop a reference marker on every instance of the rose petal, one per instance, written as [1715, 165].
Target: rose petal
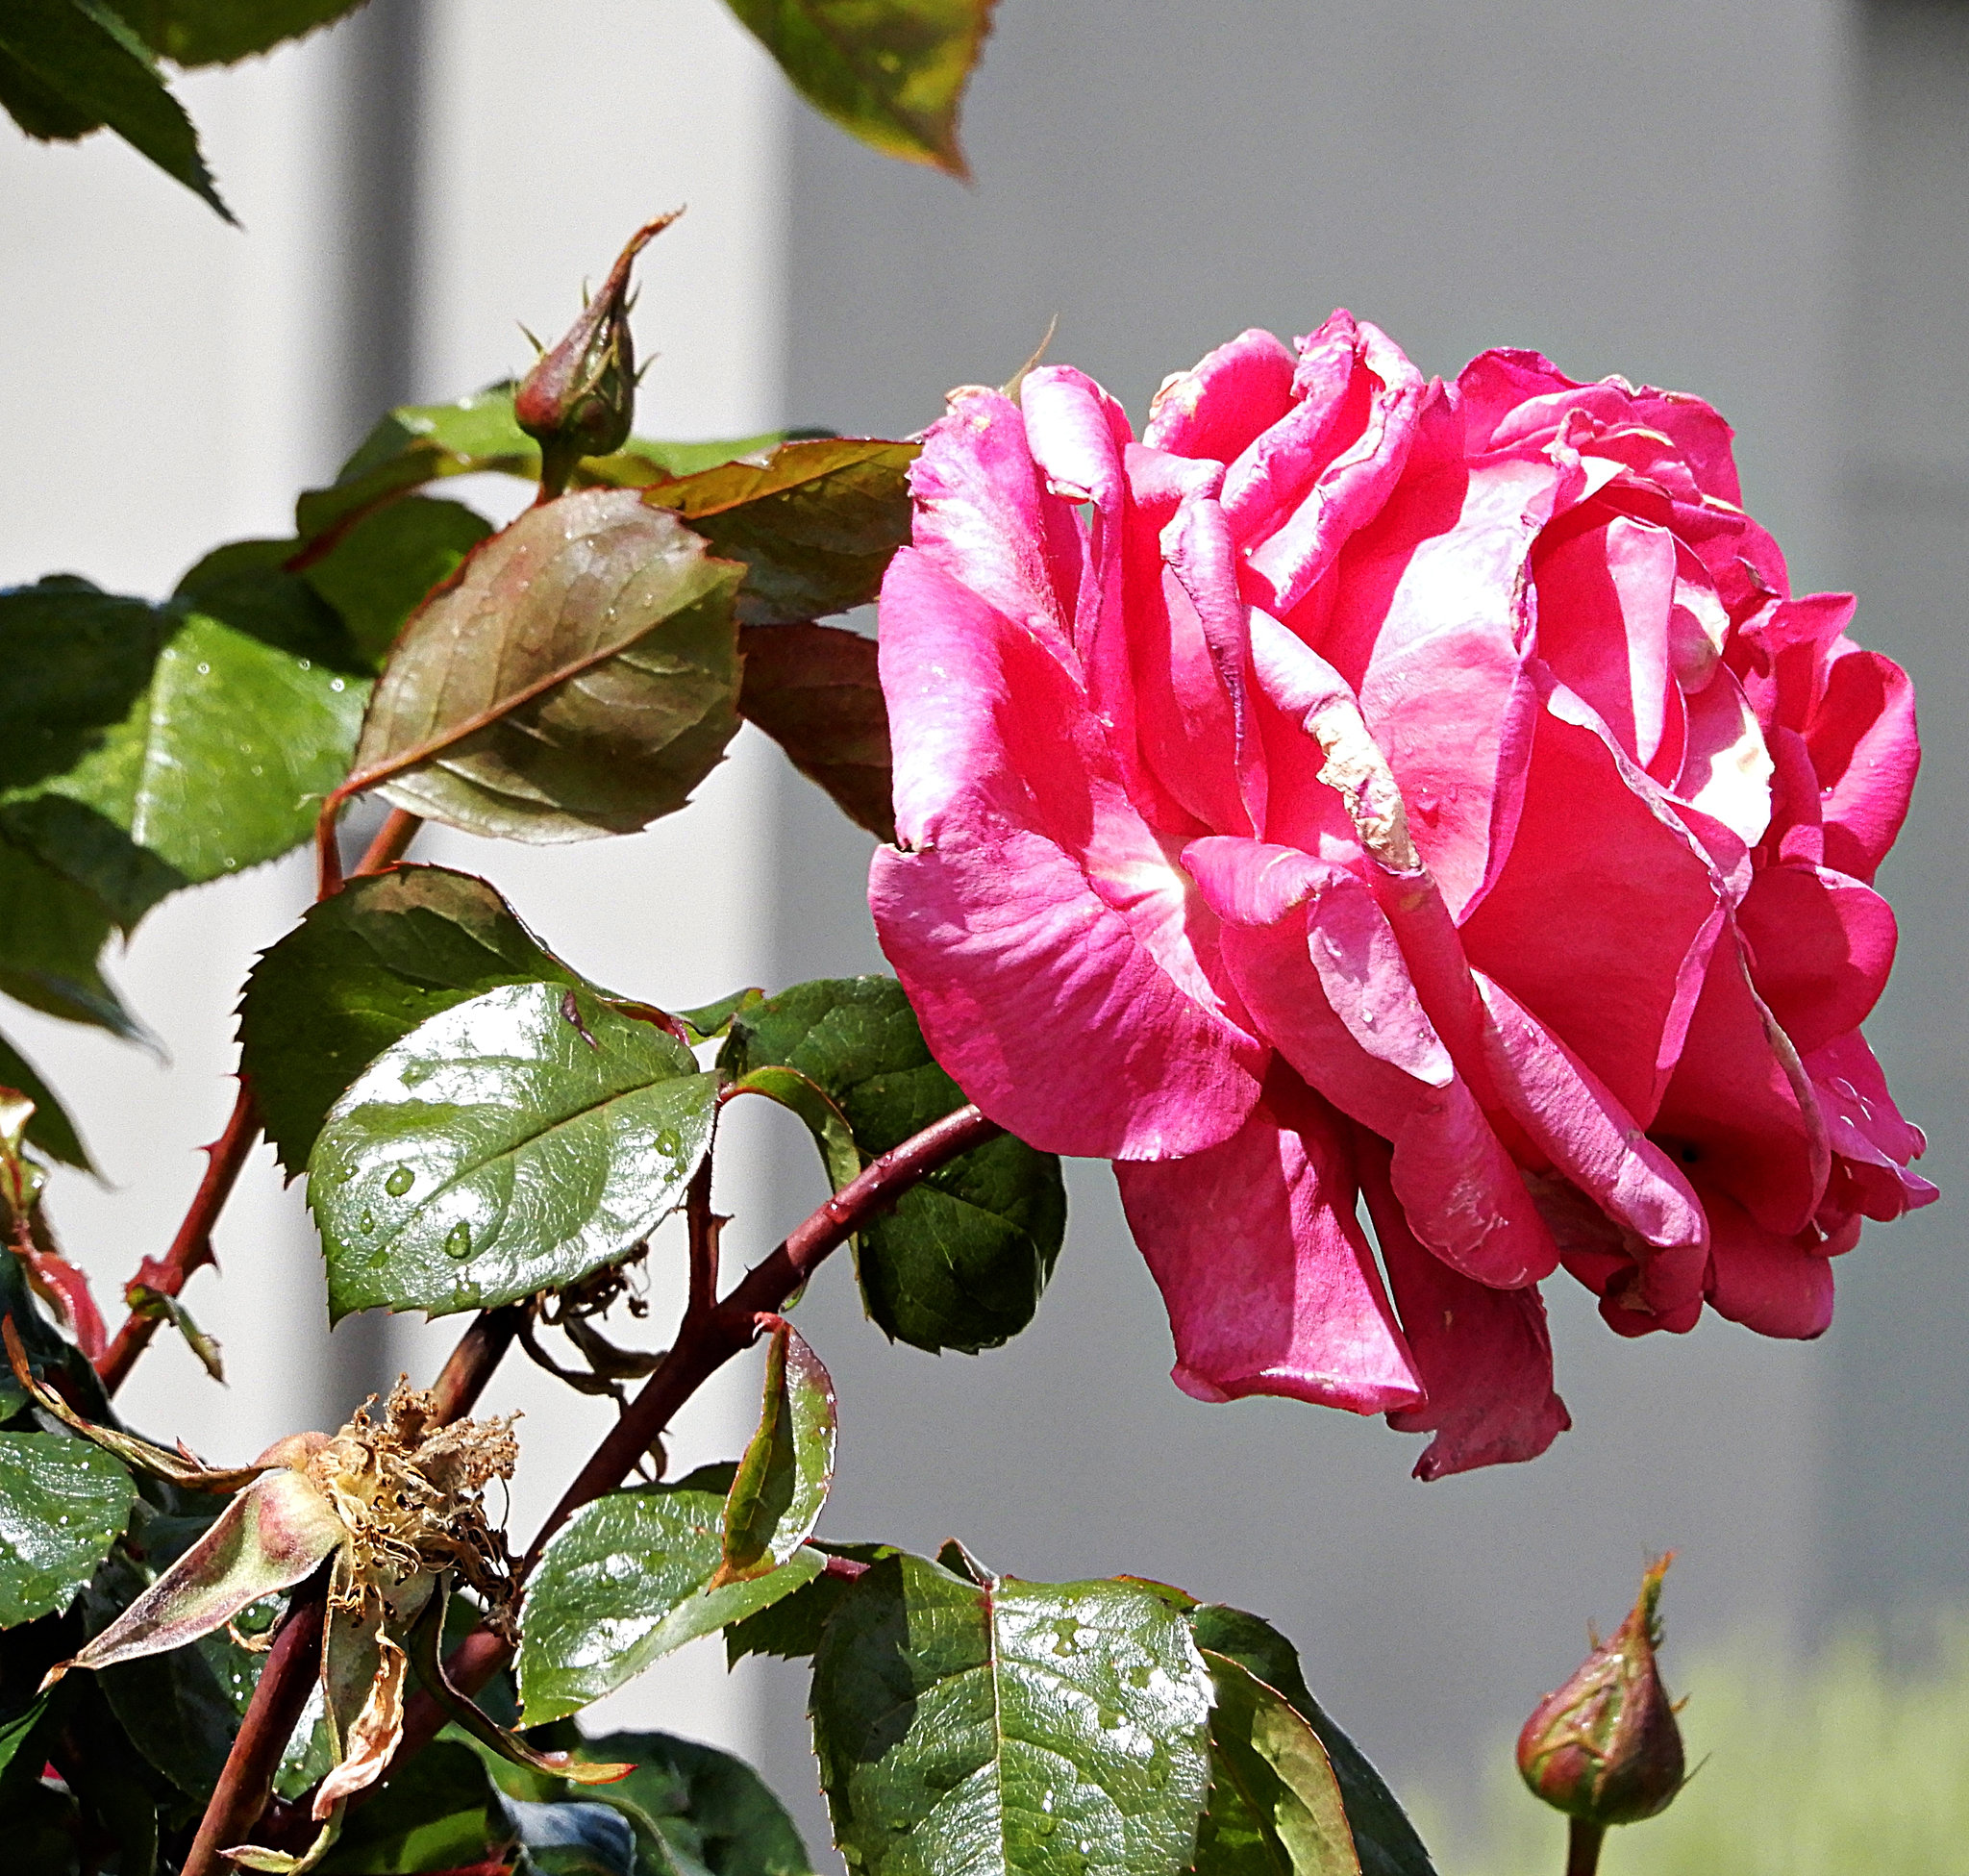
[1485, 1355]
[1866, 751]
[1821, 947]
[1604, 916]
[1270, 1286]
[1738, 1113]
[1765, 1278]
[1323, 979]
[1223, 403]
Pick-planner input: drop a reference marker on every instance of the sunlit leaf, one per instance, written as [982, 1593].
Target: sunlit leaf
[380, 570]
[787, 1465]
[62, 1503]
[626, 1581]
[509, 1144]
[579, 677]
[359, 973]
[1019, 1727]
[890, 72]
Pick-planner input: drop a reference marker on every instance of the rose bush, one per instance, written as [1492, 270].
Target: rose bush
[1364, 786]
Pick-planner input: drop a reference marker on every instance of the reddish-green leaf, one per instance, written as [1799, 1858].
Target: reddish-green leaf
[782, 1481]
[815, 691]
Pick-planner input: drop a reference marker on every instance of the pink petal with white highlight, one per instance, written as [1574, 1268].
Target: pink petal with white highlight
[1225, 402]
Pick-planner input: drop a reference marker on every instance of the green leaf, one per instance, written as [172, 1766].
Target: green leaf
[144, 748]
[792, 1627]
[361, 972]
[713, 1020]
[1023, 1727]
[380, 569]
[219, 32]
[580, 677]
[51, 933]
[510, 1144]
[439, 1812]
[816, 523]
[1384, 1838]
[961, 1260]
[624, 1581]
[715, 1814]
[787, 1465]
[1274, 1809]
[62, 1504]
[73, 66]
[50, 1128]
[815, 691]
[18, 1734]
[890, 72]
[418, 444]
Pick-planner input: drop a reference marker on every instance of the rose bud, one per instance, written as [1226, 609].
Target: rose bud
[1604, 1748]
[580, 399]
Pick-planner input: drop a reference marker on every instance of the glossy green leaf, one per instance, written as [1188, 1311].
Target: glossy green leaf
[71, 67]
[1274, 1808]
[383, 568]
[143, 748]
[1023, 1727]
[890, 72]
[219, 32]
[961, 1260]
[418, 444]
[1385, 1842]
[439, 1812]
[62, 1504]
[714, 1814]
[784, 1474]
[624, 1581]
[815, 522]
[50, 1128]
[580, 677]
[509, 1144]
[713, 1020]
[816, 691]
[361, 972]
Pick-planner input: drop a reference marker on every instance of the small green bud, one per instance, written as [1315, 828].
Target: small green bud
[1606, 1748]
[580, 399]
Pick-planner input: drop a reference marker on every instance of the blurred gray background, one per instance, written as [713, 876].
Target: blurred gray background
[1759, 200]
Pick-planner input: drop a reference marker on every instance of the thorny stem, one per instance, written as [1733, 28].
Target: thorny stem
[248, 1781]
[1583, 1847]
[191, 1247]
[705, 1343]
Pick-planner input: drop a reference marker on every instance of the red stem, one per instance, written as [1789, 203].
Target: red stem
[246, 1783]
[1583, 1847]
[391, 843]
[192, 1248]
[704, 1345]
[480, 1350]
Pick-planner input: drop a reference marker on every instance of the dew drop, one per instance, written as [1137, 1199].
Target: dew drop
[337, 684]
[367, 1223]
[399, 1182]
[204, 670]
[457, 1240]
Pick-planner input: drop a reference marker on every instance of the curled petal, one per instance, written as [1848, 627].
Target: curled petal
[1485, 1355]
[1223, 404]
[1822, 945]
[1866, 752]
[1270, 1286]
[272, 1535]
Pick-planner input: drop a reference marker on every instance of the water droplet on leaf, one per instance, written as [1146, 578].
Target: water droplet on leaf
[457, 1240]
[399, 1182]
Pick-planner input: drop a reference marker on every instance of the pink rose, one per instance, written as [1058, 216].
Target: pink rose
[1431, 793]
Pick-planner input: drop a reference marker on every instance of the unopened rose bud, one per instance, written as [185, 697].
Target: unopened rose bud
[580, 399]
[1606, 1748]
